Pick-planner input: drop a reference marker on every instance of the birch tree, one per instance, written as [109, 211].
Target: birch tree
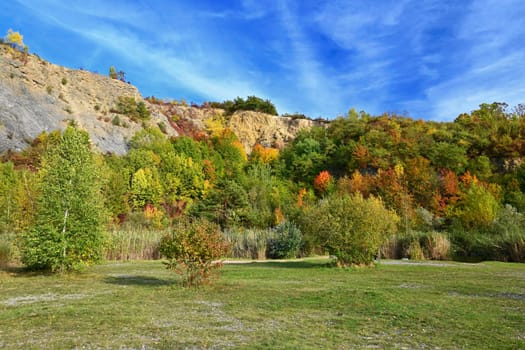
[67, 232]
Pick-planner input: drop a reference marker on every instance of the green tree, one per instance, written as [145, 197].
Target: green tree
[477, 208]
[145, 188]
[350, 227]
[8, 187]
[67, 232]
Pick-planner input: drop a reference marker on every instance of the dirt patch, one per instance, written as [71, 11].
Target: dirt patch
[31, 299]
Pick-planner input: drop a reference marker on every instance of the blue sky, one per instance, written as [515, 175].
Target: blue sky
[429, 59]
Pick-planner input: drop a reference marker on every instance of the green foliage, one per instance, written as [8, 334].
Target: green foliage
[350, 227]
[252, 103]
[6, 251]
[64, 81]
[8, 200]
[286, 242]
[67, 231]
[193, 249]
[129, 107]
[113, 72]
[478, 208]
[227, 204]
[307, 156]
[116, 120]
[146, 188]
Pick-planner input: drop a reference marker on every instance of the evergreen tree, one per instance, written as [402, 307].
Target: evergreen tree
[67, 232]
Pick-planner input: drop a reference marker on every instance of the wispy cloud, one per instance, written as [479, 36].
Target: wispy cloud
[433, 58]
[183, 62]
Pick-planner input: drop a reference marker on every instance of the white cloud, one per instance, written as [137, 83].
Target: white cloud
[183, 62]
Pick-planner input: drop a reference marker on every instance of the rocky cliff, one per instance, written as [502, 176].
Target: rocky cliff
[37, 96]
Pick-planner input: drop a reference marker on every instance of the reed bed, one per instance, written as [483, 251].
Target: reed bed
[133, 244]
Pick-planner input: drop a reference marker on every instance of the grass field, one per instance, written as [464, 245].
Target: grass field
[274, 305]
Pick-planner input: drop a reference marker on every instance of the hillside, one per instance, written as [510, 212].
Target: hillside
[37, 96]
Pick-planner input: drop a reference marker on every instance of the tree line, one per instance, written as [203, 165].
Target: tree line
[358, 188]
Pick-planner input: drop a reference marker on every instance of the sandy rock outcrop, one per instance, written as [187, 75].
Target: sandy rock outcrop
[38, 96]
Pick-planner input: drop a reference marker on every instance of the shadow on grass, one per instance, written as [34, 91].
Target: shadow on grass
[22, 271]
[133, 280]
[292, 264]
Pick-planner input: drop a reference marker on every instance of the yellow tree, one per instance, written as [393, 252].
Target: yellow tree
[15, 39]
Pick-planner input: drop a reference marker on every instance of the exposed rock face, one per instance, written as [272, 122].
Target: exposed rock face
[250, 127]
[268, 130]
[37, 96]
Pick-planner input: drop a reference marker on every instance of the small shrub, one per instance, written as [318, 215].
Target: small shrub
[162, 127]
[286, 243]
[295, 116]
[97, 107]
[64, 81]
[193, 249]
[116, 120]
[252, 103]
[12, 75]
[49, 89]
[129, 107]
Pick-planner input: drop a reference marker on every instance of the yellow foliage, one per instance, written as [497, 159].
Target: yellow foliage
[278, 216]
[237, 144]
[264, 154]
[215, 125]
[14, 38]
[399, 170]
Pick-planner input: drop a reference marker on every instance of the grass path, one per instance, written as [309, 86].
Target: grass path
[276, 305]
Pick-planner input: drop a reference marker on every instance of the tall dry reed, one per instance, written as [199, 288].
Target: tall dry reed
[133, 244]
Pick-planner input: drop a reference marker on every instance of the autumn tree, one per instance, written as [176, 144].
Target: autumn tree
[323, 181]
[15, 39]
[263, 154]
[67, 232]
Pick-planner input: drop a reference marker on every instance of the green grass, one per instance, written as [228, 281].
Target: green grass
[274, 305]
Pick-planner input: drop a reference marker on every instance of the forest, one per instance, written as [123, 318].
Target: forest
[359, 188]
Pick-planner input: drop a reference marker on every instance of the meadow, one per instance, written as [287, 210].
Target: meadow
[292, 304]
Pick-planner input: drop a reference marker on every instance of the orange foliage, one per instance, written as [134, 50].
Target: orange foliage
[450, 183]
[362, 155]
[300, 197]
[357, 183]
[264, 154]
[322, 181]
[209, 170]
[237, 144]
[468, 179]
[278, 216]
